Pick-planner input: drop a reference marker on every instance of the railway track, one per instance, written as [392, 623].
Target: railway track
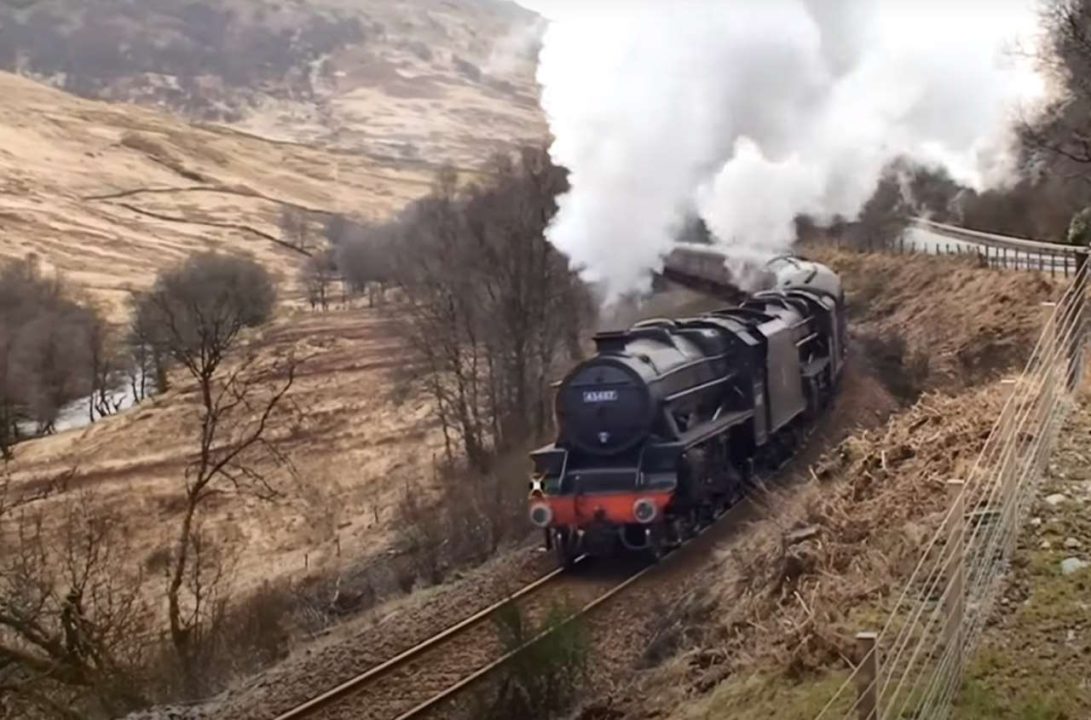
[429, 674]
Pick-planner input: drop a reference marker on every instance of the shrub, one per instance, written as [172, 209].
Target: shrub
[545, 676]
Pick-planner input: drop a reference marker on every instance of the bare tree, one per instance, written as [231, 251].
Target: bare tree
[492, 307]
[295, 228]
[1056, 143]
[47, 348]
[9, 416]
[196, 314]
[337, 229]
[364, 258]
[317, 275]
[148, 355]
[106, 364]
[72, 617]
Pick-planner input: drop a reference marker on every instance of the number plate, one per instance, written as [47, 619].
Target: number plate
[599, 396]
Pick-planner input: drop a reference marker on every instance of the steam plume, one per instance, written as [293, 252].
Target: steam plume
[749, 113]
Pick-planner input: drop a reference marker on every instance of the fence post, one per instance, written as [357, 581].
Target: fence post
[867, 679]
[1077, 305]
[956, 604]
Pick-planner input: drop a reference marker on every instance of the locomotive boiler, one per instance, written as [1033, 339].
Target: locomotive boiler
[664, 426]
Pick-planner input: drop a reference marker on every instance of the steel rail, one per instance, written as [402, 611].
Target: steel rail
[348, 687]
[358, 681]
[499, 662]
[507, 657]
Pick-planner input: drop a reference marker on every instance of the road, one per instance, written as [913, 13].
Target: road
[997, 250]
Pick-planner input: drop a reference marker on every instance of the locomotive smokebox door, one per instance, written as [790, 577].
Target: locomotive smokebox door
[605, 408]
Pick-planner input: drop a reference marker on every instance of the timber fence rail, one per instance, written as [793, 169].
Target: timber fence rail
[992, 250]
[912, 666]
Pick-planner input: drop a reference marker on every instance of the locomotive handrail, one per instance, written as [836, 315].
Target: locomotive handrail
[806, 340]
[698, 388]
[734, 418]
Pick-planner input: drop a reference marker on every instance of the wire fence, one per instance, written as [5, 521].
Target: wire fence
[913, 666]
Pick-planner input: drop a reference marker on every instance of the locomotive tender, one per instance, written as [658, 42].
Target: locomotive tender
[662, 429]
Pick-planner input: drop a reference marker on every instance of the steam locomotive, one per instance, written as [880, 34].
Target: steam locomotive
[664, 427]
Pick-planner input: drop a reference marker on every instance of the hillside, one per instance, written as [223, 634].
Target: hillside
[109, 193]
[78, 179]
[428, 80]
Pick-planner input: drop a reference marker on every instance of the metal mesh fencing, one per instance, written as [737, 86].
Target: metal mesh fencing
[913, 667]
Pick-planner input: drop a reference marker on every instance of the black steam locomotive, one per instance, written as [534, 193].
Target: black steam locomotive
[662, 429]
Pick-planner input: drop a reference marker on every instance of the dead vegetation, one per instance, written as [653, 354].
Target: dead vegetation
[971, 323]
[902, 371]
[492, 309]
[72, 619]
[76, 612]
[54, 349]
[461, 518]
[783, 601]
[196, 315]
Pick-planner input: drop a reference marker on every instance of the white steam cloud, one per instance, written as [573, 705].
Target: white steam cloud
[749, 112]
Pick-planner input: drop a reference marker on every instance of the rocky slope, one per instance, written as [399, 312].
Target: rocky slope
[427, 80]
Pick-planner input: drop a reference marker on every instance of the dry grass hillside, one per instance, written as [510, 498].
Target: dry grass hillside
[110, 193]
[424, 81]
[355, 445]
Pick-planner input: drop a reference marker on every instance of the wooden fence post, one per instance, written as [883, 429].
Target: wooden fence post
[956, 604]
[867, 679]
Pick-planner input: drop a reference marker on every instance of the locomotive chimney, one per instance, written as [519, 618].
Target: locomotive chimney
[611, 341]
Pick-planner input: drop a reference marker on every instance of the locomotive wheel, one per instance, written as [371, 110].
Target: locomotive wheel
[564, 546]
[685, 527]
[656, 546]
